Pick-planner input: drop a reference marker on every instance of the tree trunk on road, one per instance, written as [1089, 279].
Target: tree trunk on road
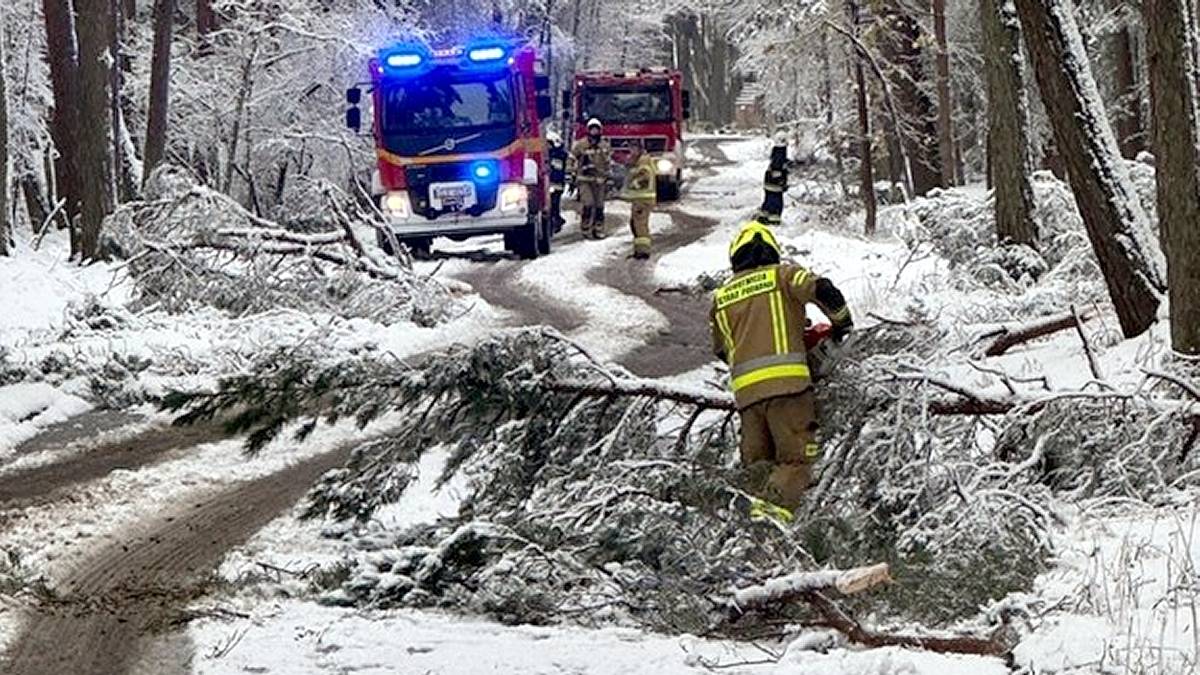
[95, 26]
[62, 54]
[1129, 114]
[160, 82]
[945, 100]
[1116, 224]
[1009, 160]
[1170, 46]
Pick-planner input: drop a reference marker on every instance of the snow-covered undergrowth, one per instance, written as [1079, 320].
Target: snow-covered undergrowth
[188, 245]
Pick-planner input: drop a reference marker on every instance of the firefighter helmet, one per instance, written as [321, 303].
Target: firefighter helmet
[780, 138]
[594, 123]
[553, 138]
[750, 232]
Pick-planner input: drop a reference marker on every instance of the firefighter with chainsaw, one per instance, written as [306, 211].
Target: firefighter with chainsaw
[775, 183]
[589, 165]
[641, 192]
[758, 320]
[557, 153]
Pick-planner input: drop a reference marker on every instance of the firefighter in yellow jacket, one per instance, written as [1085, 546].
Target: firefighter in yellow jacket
[589, 165]
[758, 321]
[641, 193]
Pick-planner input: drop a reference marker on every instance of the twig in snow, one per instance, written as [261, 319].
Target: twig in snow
[1087, 347]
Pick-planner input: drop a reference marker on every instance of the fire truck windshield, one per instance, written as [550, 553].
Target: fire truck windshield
[442, 102]
[627, 104]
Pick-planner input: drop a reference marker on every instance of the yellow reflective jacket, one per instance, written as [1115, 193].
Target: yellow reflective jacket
[590, 162]
[758, 320]
[640, 182]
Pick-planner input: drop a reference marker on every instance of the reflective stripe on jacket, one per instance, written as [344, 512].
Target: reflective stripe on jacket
[758, 320]
[640, 182]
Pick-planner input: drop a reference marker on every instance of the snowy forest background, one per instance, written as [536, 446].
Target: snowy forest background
[1010, 189]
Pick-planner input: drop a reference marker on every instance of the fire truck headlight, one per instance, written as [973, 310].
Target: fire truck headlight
[665, 165]
[396, 205]
[513, 197]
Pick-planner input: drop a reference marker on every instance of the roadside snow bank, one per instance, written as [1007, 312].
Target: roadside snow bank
[27, 408]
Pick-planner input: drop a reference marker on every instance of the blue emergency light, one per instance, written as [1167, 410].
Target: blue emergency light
[404, 60]
[486, 54]
[485, 172]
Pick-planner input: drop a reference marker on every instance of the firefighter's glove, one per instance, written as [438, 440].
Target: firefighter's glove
[841, 334]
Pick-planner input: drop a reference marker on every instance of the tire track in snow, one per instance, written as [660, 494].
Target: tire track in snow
[135, 587]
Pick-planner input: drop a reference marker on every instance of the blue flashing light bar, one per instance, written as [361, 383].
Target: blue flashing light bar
[487, 54]
[403, 60]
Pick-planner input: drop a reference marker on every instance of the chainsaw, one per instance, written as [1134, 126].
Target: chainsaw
[823, 352]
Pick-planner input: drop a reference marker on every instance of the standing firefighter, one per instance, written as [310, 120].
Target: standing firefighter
[758, 321]
[775, 183]
[640, 191]
[557, 153]
[589, 165]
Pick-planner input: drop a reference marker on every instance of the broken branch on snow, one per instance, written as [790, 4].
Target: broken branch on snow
[1005, 338]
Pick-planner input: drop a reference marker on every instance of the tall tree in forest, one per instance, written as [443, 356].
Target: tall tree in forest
[160, 82]
[5, 221]
[1009, 160]
[62, 54]
[945, 100]
[206, 19]
[1171, 50]
[900, 43]
[94, 27]
[866, 160]
[1130, 134]
[1116, 224]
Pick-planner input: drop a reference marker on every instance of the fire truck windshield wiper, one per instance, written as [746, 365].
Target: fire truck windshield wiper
[449, 144]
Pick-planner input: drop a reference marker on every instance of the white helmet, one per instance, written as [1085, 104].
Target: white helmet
[780, 138]
[553, 137]
[595, 123]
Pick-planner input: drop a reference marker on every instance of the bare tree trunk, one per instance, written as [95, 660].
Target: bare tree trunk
[1116, 224]
[866, 170]
[122, 191]
[160, 82]
[901, 46]
[36, 208]
[206, 19]
[1009, 160]
[95, 26]
[5, 221]
[1129, 113]
[62, 54]
[1171, 45]
[945, 101]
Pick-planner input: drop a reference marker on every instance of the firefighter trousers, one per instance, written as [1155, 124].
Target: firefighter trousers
[591, 201]
[782, 432]
[639, 224]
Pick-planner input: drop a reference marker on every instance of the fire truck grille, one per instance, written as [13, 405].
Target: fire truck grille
[420, 178]
[653, 143]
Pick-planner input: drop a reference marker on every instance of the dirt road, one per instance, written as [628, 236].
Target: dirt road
[131, 589]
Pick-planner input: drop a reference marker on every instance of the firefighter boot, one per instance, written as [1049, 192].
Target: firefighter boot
[639, 223]
[598, 223]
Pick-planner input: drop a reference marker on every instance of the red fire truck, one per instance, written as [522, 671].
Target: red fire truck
[458, 139]
[649, 104]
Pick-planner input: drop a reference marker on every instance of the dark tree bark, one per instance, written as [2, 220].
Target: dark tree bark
[1115, 222]
[36, 208]
[94, 26]
[945, 100]
[1170, 46]
[160, 81]
[866, 170]
[1009, 160]
[900, 43]
[62, 54]
[1129, 113]
[5, 221]
[206, 19]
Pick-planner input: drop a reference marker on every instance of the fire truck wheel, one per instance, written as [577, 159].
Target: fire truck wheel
[546, 235]
[525, 242]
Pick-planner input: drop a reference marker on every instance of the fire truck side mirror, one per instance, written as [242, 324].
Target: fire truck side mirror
[354, 119]
[353, 96]
[687, 104]
[545, 107]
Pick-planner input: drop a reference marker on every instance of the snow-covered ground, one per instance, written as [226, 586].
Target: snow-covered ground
[1120, 597]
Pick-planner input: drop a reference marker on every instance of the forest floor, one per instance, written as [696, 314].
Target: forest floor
[138, 547]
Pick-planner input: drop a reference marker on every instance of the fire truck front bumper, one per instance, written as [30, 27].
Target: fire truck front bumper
[503, 218]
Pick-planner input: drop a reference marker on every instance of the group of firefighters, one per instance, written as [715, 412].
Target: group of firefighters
[758, 316]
